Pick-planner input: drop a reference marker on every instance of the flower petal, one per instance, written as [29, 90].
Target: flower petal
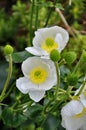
[36, 95]
[20, 84]
[60, 42]
[72, 124]
[72, 108]
[68, 112]
[36, 51]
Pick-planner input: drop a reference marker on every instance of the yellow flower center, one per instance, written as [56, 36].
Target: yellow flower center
[49, 45]
[38, 75]
[81, 114]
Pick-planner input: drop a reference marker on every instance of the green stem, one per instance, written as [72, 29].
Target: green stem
[82, 87]
[31, 21]
[79, 63]
[77, 66]
[48, 17]
[46, 106]
[8, 78]
[36, 16]
[62, 62]
[58, 79]
[11, 88]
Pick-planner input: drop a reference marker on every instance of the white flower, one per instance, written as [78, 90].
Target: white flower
[39, 76]
[47, 39]
[74, 116]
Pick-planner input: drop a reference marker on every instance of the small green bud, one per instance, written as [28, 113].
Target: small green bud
[69, 57]
[8, 49]
[55, 55]
[72, 79]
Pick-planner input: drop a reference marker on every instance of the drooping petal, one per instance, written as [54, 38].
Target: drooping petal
[20, 84]
[36, 95]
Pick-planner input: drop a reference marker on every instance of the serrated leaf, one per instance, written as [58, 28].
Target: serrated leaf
[11, 118]
[19, 57]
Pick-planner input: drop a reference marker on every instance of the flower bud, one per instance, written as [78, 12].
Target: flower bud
[55, 55]
[69, 57]
[72, 79]
[8, 49]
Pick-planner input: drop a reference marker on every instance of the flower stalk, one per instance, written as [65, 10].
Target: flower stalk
[58, 78]
[81, 89]
[8, 78]
[31, 21]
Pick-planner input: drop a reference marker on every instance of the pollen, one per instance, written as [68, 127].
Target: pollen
[38, 75]
[49, 44]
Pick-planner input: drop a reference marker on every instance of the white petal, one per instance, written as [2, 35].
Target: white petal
[72, 108]
[36, 51]
[71, 123]
[61, 42]
[20, 84]
[36, 95]
[68, 111]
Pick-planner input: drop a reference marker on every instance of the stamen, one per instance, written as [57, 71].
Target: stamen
[49, 45]
[38, 75]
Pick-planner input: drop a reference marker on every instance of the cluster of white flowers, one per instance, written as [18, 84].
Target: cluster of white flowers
[74, 113]
[40, 73]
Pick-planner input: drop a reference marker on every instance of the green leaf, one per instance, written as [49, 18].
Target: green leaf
[50, 123]
[19, 57]
[35, 112]
[11, 118]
